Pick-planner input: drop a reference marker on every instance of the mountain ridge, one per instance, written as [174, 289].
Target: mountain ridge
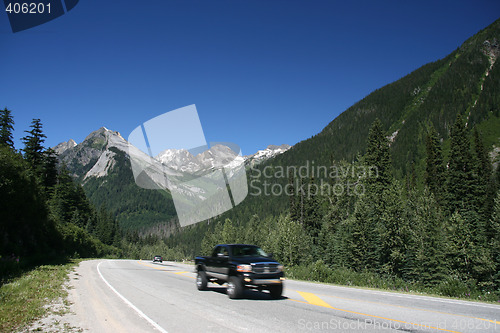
[464, 82]
[102, 163]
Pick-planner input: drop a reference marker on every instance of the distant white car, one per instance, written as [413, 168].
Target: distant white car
[158, 258]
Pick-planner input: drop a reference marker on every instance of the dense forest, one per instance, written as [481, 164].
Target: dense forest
[398, 192]
[44, 214]
[440, 234]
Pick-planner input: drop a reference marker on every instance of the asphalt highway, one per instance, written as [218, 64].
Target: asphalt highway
[141, 296]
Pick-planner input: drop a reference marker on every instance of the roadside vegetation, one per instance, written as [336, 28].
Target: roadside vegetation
[45, 214]
[428, 222]
[45, 221]
[438, 233]
[28, 297]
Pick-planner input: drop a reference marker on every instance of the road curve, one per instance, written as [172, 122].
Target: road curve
[141, 296]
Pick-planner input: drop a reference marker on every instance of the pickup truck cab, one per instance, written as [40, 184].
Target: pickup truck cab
[240, 266]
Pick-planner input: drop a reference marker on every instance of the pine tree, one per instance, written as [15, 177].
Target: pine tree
[292, 245]
[50, 168]
[377, 156]
[33, 146]
[411, 177]
[6, 128]
[229, 233]
[294, 215]
[312, 214]
[460, 180]
[495, 240]
[362, 236]
[485, 186]
[425, 252]
[392, 231]
[434, 168]
[466, 255]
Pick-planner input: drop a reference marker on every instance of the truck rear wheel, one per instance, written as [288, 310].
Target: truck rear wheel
[201, 280]
[276, 291]
[234, 287]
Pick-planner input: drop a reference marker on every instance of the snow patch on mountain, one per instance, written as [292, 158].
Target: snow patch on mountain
[216, 157]
[93, 158]
[265, 154]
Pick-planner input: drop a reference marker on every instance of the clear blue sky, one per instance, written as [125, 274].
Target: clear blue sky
[259, 71]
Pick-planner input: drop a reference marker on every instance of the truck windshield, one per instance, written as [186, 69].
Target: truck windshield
[248, 251]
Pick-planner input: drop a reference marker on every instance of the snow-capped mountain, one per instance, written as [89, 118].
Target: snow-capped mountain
[265, 154]
[116, 172]
[93, 157]
[216, 157]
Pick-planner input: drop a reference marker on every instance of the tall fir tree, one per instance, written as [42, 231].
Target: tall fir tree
[312, 218]
[434, 167]
[425, 256]
[460, 179]
[294, 215]
[392, 230]
[377, 156]
[6, 128]
[33, 146]
[485, 184]
[50, 172]
[495, 240]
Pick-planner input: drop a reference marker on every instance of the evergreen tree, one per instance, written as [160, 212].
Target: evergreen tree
[33, 146]
[106, 227]
[6, 128]
[292, 246]
[434, 168]
[312, 214]
[229, 233]
[485, 185]
[495, 240]
[253, 231]
[24, 226]
[425, 252]
[392, 230]
[377, 156]
[467, 257]
[294, 215]
[362, 236]
[460, 180]
[50, 168]
[411, 177]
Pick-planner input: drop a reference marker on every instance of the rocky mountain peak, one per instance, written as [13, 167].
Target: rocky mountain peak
[63, 146]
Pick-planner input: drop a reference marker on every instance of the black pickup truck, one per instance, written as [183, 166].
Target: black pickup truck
[240, 266]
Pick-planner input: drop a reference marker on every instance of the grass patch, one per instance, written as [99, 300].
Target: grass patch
[25, 298]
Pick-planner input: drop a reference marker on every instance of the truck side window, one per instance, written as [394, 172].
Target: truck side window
[216, 250]
[223, 250]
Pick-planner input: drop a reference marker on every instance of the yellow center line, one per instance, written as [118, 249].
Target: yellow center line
[183, 272]
[315, 300]
[411, 308]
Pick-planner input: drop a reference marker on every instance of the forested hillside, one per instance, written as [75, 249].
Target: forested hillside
[44, 214]
[401, 189]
